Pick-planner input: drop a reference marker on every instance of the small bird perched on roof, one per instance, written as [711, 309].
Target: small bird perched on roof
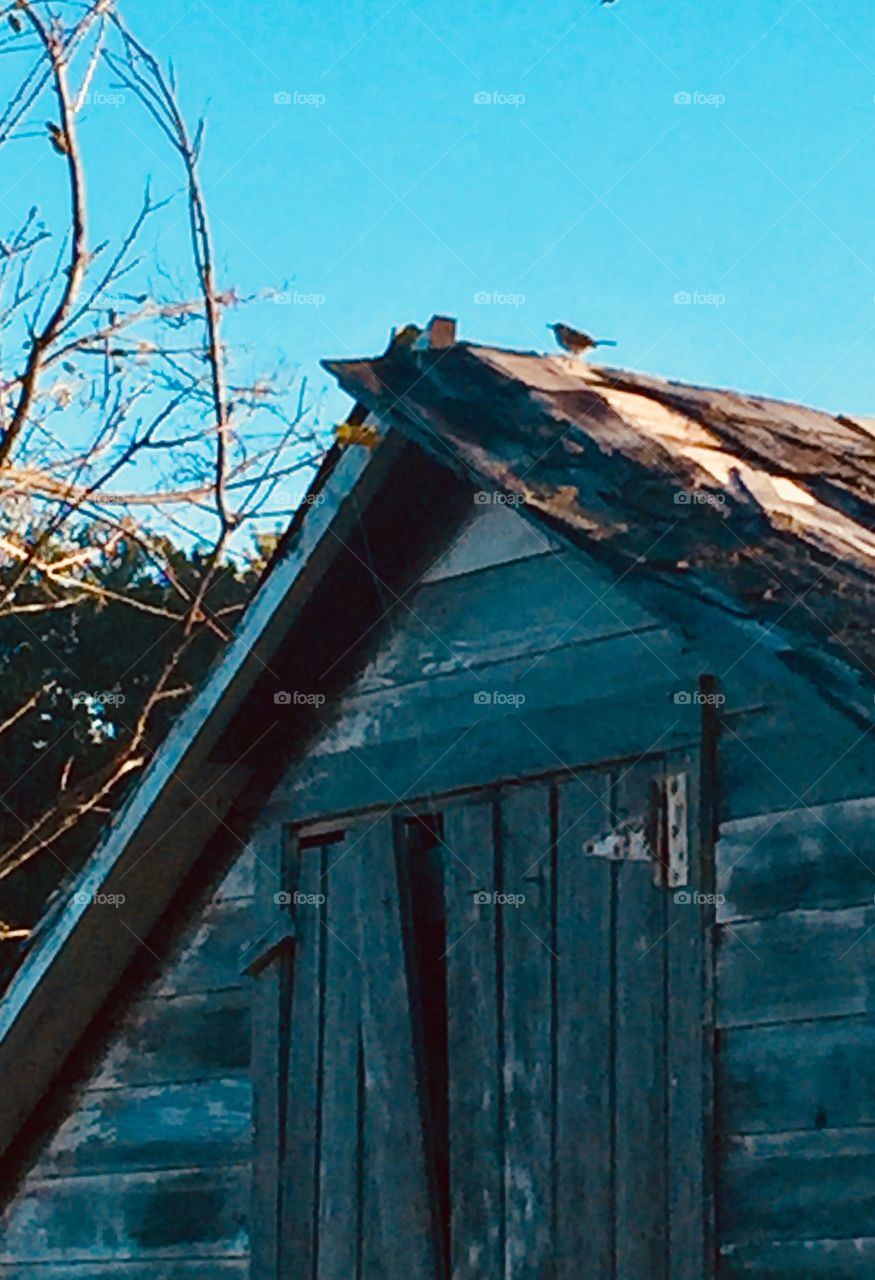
[576, 342]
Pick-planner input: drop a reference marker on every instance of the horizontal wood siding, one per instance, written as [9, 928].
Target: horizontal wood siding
[796, 1042]
[168, 1269]
[149, 1173]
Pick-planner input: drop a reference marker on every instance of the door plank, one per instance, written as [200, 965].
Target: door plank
[339, 1148]
[269, 1048]
[526, 934]
[688, 924]
[584, 997]
[395, 1148]
[300, 1183]
[640, 1046]
[476, 1165]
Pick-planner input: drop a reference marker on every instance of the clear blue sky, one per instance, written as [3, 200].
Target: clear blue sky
[585, 189]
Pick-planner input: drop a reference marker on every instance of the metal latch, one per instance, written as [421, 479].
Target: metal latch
[660, 835]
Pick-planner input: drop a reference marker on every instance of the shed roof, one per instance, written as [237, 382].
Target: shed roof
[763, 507]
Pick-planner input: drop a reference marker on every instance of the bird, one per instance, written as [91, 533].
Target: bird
[576, 342]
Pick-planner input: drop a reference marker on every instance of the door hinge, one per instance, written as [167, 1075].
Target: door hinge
[677, 830]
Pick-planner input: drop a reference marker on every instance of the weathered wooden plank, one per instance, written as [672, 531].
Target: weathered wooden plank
[339, 1156]
[585, 904]
[208, 958]
[465, 621]
[792, 1186]
[804, 858]
[475, 1078]
[300, 1167]
[591, 673]
[116, 1217]
[762, 1089]
[380, 748]
[269, 991]
[175, 1038]
[528, 945]
[169, 1269]
[801, 965]
[762, 769]
[641, 1100]
[688, 924]
[393, 1092]
[153, 1127]
[799, 1260]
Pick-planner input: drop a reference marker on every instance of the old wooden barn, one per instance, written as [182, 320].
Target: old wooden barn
[503, 905]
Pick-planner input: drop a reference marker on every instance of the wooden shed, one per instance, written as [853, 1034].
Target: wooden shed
[503, 907]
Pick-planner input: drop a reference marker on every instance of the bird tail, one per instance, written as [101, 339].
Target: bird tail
[605, 342]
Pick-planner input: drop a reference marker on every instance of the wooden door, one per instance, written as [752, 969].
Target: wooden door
[495, 1038]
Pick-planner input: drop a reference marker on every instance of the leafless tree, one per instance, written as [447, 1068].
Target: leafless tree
[107, 364]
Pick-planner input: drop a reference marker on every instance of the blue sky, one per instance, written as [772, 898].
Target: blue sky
[583, 189]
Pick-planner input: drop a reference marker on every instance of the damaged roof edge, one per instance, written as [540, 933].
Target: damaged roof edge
[45, 1010]
[757, 503]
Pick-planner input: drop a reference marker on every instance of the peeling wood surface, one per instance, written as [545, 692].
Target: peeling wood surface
[798, 966]
[811, 857]
[775, 500]
[799, 1075]
[109, 1217]
[800, 1260]
[798, 1186]
[152, 1161]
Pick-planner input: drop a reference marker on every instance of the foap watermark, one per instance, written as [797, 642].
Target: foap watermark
[691, 898]
[696, 498]
[693, 298]
[496, 98]
[494, 298]
[102, 698]
[313, 499]
[295, 98]
[104, 99]
[298, 899]
[688, 698]
[492, 898]
[496, 698]
[695, 98]
[298, 698]
[99, 899]
[483, 498]
[295, 298]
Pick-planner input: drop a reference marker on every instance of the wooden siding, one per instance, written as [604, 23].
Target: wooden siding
[148, 1175]
[795, 1043]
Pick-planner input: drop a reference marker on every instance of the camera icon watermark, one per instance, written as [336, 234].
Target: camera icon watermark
[496, 98]
[696, 298]
[294, 98]
[99, 899]
[492, 898]
[691, 898]
[103, 698]
[298, 698]
[496, 698]
[693, 698]
[687, 98]
[484, 498]
[486, 298]
[297, 899]
[696, 498]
